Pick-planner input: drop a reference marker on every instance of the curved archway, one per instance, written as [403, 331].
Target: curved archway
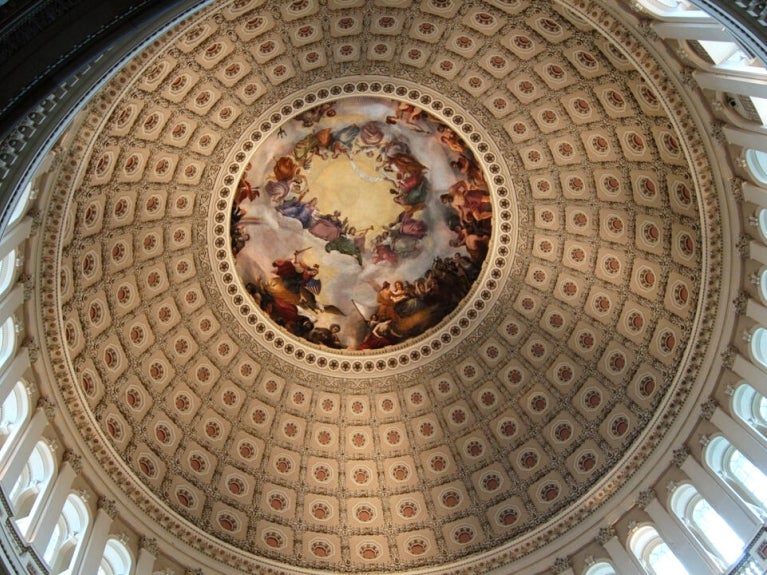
[68, 535]
[27, 494]
[117, 560]
[738, 473]
[653, 553]
[707, 527]
[600, 568]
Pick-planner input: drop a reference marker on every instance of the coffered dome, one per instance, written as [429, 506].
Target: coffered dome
[370, 286]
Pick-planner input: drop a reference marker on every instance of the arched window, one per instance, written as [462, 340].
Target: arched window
[758, 346]
[27, 493]
[600, 568]
[751, 407]
[7, 341]
[653, 553]
[22, 204]
[760, 281]
[738, 473]
[706, 526]
[68, 535]
[756, 161]
[117, 559]
[13, 414]
[7, 271]
[761, 223]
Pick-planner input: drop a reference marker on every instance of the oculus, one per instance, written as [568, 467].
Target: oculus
[361, 223]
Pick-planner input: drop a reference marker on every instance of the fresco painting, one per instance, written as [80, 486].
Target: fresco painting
[361, 223]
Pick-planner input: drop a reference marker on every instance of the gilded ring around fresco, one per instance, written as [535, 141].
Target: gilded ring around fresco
[361, 223]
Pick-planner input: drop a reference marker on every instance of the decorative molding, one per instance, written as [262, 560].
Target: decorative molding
[150, 544]
[645, 497]
[708, 408]
[48, 407]
[728, 356]
[740, 303]
[108, 506]
[743, 246]
[561, 564]
[74, 460]
[680, 455]
[605, 534]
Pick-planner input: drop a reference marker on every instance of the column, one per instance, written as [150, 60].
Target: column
[683, 547]
[15, 236]
[755, 194]
[735, 135]
[11, 302]
[758, 251]
[13, 373]
[14, 465]
[620, 558]
[97, 538]
[743, 522]
[756, 311]
[147, 554]
[47, 515]
[752, 374]
[681, 30]
[738, 436]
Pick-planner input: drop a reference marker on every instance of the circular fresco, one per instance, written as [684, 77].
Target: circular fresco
[361, 223]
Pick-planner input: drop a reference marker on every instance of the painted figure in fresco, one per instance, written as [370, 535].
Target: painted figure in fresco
[245, 191]
[304, 212]
[371, 138]
[410, 116]
[350, 243]
[472, 204]
[448, 137]
[239, 239]
[467, 165]
[310, 117]
[380, 334]
[344, 140]
[476, 245]
[407, 225]
[326, 336]
[286, 179]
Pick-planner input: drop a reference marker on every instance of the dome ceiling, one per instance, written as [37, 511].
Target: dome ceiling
[201, 269]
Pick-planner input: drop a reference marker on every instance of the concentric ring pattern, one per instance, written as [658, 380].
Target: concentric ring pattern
[523, 410]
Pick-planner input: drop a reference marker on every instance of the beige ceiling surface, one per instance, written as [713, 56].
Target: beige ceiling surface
[526, 408]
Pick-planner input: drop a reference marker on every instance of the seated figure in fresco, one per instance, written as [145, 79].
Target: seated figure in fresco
[380, 334]
[310, 117]
[412, 187]
[472, 204]
[286, 178]
[326, 336]
[407, 225]
[468, 166]
[296, 208]
[476, 244]
[415, 118]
